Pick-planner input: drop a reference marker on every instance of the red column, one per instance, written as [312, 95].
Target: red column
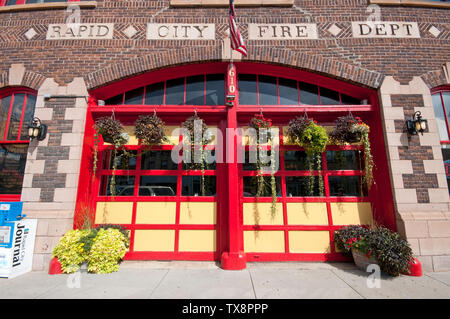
[234, 258]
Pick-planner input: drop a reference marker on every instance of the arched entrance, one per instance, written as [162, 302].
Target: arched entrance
[159, 200]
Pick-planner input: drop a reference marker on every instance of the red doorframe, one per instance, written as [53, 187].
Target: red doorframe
[230, 236]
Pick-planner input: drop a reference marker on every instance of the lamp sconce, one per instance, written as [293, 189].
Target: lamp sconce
[230, 100]
[37, 130]
[416, 124]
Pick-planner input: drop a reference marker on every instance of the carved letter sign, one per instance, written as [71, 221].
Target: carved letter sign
[80, 31]
[168, 31]
[383, 29]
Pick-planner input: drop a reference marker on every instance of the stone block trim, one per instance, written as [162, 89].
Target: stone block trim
[417, 171]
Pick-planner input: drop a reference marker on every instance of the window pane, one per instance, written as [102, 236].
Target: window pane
[4, 113]
[158, 186]
[251, 186]
[116, 100]
[158, 160]
[247, 89]
[16, 115]
[344, 160]
[446, 157]
[440, 117]
[251, 158]
[191, 186]
[154, 94]
[347, 186]
[175, 92]
[195, 90]
[124, 186]
[349, 100]
[28, 116]
[446, 97]
[198, 166]
[124, 160]
[298, 161]
[288, 92]
[12, 166]
[134, 97]
[301, 186]
[215, 89]
[329, 97]
[309, 94]
[268, 92]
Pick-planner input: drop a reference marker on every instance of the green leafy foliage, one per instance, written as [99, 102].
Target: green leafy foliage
[102, 248]
[308, 134]
[70, 252]
[392, 252]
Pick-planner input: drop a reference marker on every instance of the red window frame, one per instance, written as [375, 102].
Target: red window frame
[3, 138]
[439, 91]
[20, 2]
[229, 225]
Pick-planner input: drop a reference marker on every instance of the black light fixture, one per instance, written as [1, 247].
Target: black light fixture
[416, 124]
[37, 130]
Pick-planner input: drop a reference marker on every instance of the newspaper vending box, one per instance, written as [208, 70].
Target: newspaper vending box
[17, 237]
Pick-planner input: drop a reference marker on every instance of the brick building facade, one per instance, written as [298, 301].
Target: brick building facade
[66, 71]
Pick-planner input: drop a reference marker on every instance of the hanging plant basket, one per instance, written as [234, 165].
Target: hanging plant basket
[350, 129]
[110, 129]
[150, 129]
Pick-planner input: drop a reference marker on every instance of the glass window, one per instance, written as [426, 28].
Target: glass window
[344, 160]
[302, 186]
[124, 160]
[154, 94]
[28, 116]
[268, 91]
[247, 89]
[16, 115]
[124, 186]
[192, 186]
[440, 117]
[13, 158]
[158, 160]
[215, 89]
[298, 161]
[288, 92]
[4, 113]
[309, 94]
[195, 90]
[329, 97]
[349, 100]
[116, 100]
[347, 186]
[134, 97]
[251, 158]
[175, 92]
[158, 186]
[251, 186]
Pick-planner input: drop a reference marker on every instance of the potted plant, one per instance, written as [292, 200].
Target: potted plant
[306, 133]
[350, 129]
[150, 129]
[377, 245]
[196, 127]
[262, 127]
[112, 132]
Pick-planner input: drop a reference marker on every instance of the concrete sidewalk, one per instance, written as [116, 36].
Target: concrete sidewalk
[204, 280]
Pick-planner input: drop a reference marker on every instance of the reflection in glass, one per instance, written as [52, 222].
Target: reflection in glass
[247, 89]
[288, 92]
[299, 161]
[175, 92]
[4, 114]
[154, 94]
[16, 115]
[116, 100]
[440, 117]
[192, 186]
[309, 94]
[301, 186]
[344, 160]
[12, 166]
[215, 89]
[158, 186]
[28, 116]
[195, 90]
[124, 160]
[329, 97]
[124, 186]
[347, 186]
[158, 160]
[251, 186]
[134, 97]
[348, 100]
[268, 92]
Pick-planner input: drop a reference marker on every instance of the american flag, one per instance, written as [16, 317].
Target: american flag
[237, 43]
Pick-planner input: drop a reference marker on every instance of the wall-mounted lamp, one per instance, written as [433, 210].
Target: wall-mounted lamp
[416, 124]
[37, 130]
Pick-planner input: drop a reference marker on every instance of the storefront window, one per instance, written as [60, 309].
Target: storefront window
[16, 112]
[441, 104]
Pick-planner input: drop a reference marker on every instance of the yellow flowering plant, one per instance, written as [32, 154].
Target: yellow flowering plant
[70, 252]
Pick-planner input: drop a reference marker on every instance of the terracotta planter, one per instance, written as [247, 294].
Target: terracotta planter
[361, 260]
